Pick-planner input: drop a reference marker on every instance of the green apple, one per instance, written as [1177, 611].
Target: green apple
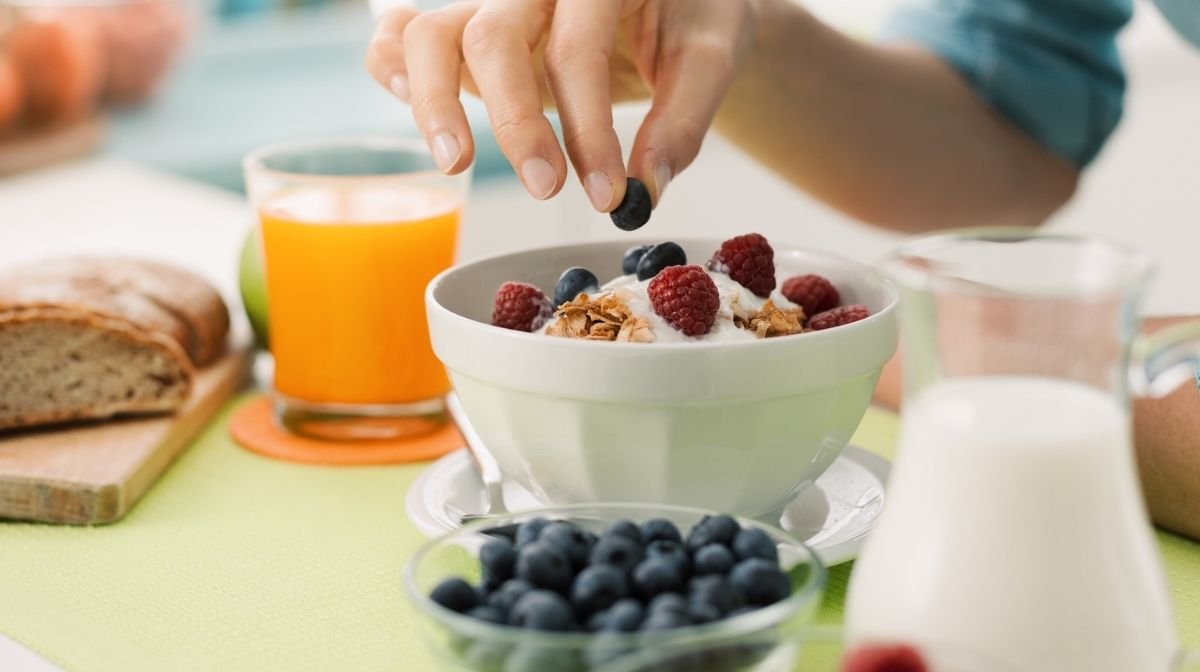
[253, 286]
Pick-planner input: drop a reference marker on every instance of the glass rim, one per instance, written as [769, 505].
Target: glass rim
[746, 625]
[254, 162]
[1131, 264]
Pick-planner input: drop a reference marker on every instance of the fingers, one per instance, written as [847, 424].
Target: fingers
[385, 55]
[695, 69]
[577, 69]
[433, 58]
[497, 44]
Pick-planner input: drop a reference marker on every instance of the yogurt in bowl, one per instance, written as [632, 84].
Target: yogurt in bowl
[738, 424]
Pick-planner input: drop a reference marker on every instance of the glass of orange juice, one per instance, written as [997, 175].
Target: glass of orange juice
[352, 230]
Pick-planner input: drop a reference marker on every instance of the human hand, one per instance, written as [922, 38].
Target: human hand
[580, 56]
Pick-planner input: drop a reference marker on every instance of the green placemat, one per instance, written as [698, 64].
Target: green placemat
[237, 562]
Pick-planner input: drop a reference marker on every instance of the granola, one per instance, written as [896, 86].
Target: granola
[607, 318]
[771, 320]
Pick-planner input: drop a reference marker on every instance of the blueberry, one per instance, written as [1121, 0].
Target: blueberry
[671, 551]
[499, 560]
[760, 581]
[755, 543]
[712, 530]
[572, 283]
[597, 588]
[715, 591]
[666, 619]
[507, 595]
[659, 257]
[545, 566]
[531, 658]
[597, 621]
[542, 610]
[528, 531]
[489, 614]
[633, 255]
[455, 595]
[618, 551]
[634, 210]
[671, 601]
[624, 528]
[656, 575]
[660, 528]
[700, 612]
[572, 541]
[624, 616]
[712, 559]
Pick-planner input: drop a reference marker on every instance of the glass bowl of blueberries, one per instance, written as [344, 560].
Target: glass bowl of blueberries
[585, 587]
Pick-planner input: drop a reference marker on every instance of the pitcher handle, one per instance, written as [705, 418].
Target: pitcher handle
[1166, 359]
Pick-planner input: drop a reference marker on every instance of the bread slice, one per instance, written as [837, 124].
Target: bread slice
[188, 308]
[68, 363]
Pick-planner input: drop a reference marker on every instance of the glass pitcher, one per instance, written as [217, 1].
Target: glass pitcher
[1015, 524]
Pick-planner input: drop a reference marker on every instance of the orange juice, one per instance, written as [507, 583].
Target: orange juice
[346, 274]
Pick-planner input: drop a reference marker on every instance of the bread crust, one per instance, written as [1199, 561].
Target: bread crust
[132, 333]
[149, 294]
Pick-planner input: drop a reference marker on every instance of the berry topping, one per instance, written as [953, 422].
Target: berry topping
[874, 658]
[749, 260]
[686, 298]
[838, 316]
[659, 257]
[634, 210]
[520, 306]
[633, 255]
[812, 293]
[573, 282]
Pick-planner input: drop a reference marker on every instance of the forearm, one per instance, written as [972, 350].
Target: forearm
[1167, 437]
[890, 135]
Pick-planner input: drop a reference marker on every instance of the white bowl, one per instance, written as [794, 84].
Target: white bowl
[736, 427]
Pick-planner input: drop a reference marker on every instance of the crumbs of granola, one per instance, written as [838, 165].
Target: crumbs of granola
[771, 320]
[607, 318]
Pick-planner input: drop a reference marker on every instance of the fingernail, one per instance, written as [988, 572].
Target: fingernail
[599, 189]
[446, 150]
[399, 86]
[539, 178]
[662, 177]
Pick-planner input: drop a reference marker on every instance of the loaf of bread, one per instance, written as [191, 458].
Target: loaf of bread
[89, 338]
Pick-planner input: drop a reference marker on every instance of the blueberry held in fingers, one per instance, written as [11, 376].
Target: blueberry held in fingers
[634, 210]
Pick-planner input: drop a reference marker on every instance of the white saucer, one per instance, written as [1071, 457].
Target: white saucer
[832, 517]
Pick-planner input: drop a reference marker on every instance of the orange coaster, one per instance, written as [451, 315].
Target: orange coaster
[254, 428]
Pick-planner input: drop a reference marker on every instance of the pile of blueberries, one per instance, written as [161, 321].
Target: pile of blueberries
[557, 576]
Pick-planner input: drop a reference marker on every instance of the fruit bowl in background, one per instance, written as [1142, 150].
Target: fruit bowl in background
[740, 427]
[462, 642]
[63, 61]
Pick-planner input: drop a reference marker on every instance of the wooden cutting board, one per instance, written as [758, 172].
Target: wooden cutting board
[93, 474]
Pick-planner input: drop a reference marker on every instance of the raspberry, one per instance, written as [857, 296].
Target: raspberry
[520, 306]
[838, 316]
[812, 293]
[898, 658]
[749, 260]
[686, 298]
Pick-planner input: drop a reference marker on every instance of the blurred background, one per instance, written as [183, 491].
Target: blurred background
[123, 123]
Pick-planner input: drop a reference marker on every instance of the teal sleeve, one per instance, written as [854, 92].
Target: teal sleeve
[1049, 66]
